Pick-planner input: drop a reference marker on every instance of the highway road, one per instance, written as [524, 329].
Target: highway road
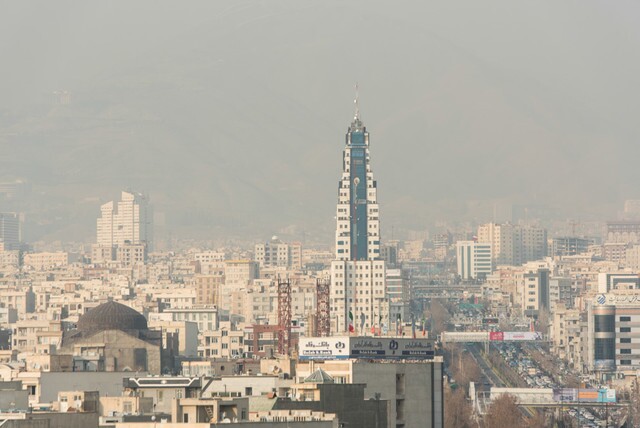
[487, 369]
[493, 375]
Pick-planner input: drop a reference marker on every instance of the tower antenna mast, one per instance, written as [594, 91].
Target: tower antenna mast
[356, 101]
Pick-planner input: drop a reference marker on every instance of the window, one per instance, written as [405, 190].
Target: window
[625, 362]
[625, 351]
[625, 329]
[625, 340]
[625, 319]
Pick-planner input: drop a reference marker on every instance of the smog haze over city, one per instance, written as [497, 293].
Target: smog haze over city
[319, 214]
[231, 115]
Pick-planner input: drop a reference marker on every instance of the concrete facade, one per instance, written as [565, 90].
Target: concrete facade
[346, 401]
[474, 259]
[46, 385]
[115, 350]
[413, 389]
[51, 420]
[287, 424]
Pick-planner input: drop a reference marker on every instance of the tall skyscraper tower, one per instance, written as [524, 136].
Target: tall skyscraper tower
[358, 298]
[9, 231]
[358, 223]
[129, 224]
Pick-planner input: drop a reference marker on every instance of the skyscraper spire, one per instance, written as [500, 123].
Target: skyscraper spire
[356, 101]
[357, 125]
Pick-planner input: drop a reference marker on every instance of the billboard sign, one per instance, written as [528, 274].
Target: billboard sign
[383, 347]
[465, 336]
[604, 365]
[588, 395]
[565, 394]
[617, 299]
[323, 348]
[522, 336]
[330, 348]
[606, 395]
[496, 336]
[584, 395]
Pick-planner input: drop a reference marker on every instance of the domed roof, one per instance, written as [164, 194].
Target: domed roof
[112, 316]
[319, 376]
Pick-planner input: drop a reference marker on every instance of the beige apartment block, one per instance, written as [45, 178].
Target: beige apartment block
[226, 342]
[23, 301]
[207, 289]
[44, 261]
[36, 336]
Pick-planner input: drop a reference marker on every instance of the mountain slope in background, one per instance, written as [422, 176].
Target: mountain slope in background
[231, 115]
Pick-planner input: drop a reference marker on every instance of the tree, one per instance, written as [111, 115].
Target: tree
[457, 409]
[537, 421]
[467, 370]
[543, 321]
[504, 413]
[439, 317]
[462, 365]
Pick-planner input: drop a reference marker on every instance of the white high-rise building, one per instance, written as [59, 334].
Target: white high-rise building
[128, 223]
[276, 253]
[359, 302]
[474, 259]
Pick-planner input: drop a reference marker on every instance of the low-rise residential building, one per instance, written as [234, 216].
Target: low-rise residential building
[44, 261]
[206, 317]
[163, 390]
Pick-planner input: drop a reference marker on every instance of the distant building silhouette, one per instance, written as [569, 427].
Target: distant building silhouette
[9, 231]
[124, 230]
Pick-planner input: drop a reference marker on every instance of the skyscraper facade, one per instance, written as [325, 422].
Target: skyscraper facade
[474, 259]
[358, 299]
[130, 223]
[9, 231]
[514, 244]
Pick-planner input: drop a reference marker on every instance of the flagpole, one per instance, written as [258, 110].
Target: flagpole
[413, 325]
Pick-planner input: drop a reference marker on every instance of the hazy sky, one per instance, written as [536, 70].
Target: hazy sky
[232, 114]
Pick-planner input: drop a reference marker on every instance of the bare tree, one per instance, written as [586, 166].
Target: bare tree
[467, 370]
[537, 421]
[439, 317]
[504, 413]
[457, 409]
[543, 321]
[462, 365]
[634, 404]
